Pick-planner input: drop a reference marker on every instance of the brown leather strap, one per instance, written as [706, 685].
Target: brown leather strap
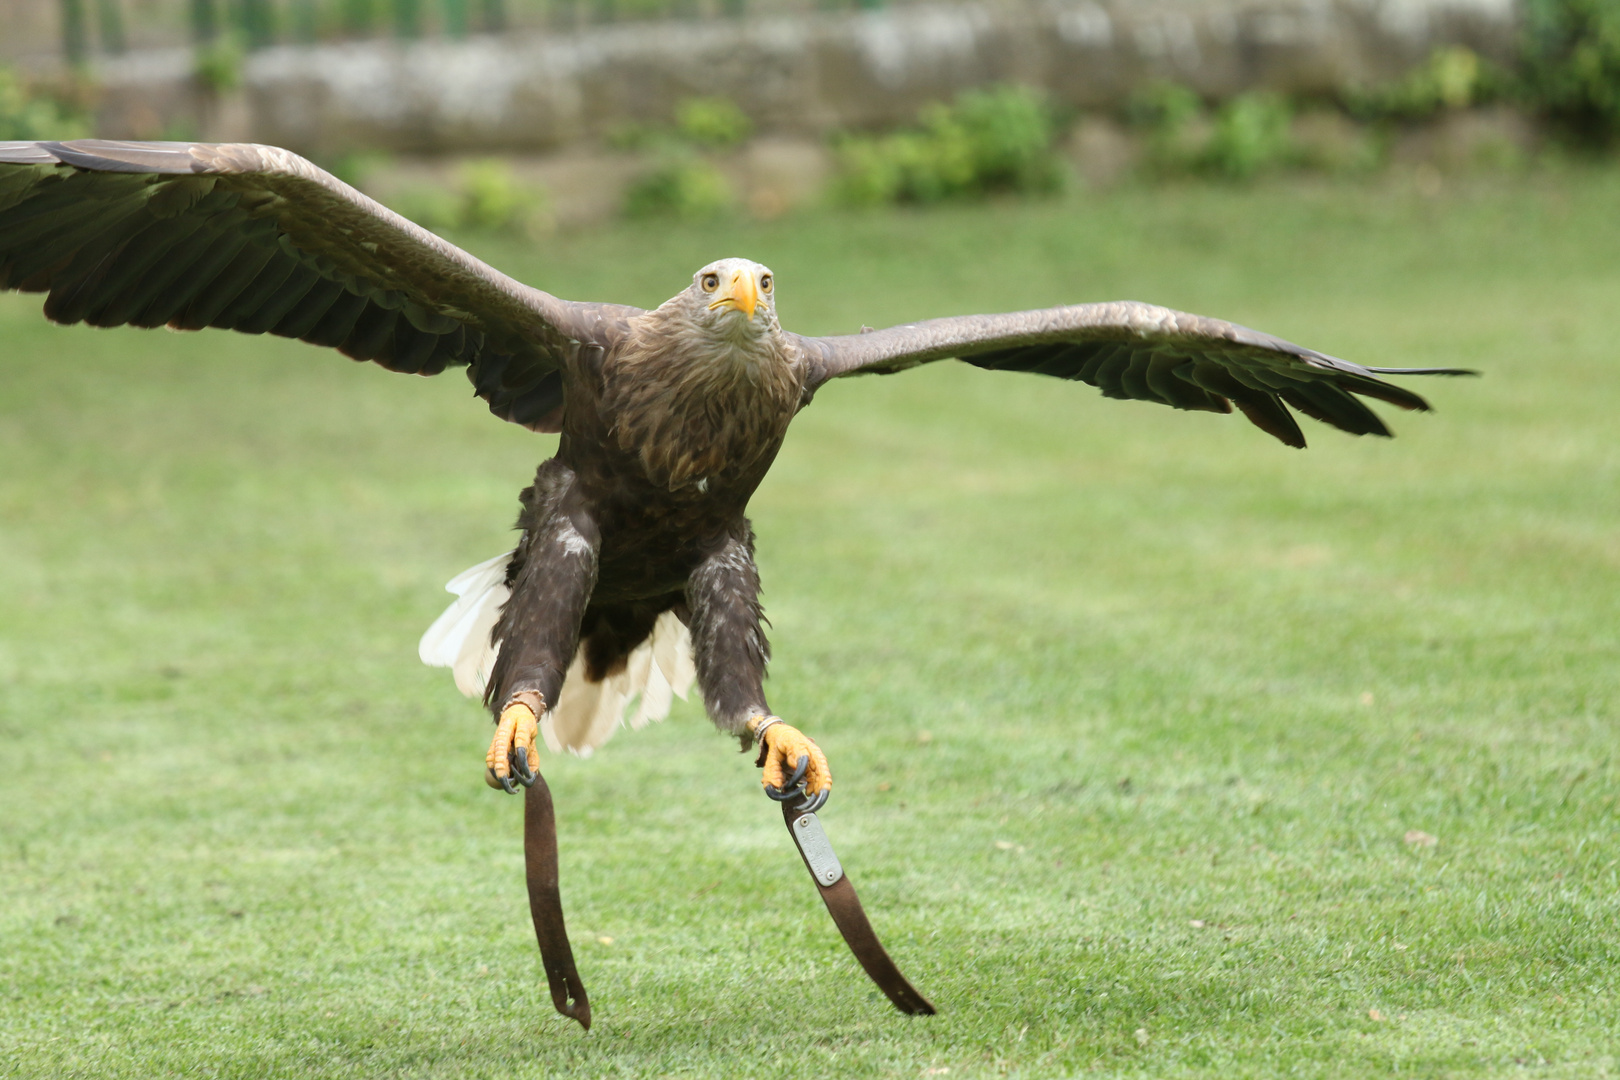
[845, 908]
[545, 904]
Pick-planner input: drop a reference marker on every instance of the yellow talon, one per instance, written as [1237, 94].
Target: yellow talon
[783, 746]
[517, 728]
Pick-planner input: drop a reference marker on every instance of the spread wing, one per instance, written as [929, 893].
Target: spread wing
[1139, 352]
[256, 239]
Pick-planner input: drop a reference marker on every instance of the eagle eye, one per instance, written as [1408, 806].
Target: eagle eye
[765, 283]
[711, 282]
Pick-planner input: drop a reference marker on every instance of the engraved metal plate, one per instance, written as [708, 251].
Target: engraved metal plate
[818, 851]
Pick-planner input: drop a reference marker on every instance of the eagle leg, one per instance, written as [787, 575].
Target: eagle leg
[512, 752]
[793, 764]
[731, 652]
[552, 575]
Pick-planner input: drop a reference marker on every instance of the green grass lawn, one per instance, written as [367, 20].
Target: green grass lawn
[1130, 709]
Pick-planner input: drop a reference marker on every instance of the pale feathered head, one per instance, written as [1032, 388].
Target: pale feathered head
[736, 298]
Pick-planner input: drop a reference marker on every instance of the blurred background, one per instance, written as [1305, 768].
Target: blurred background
[533, 114]
[1162, 750]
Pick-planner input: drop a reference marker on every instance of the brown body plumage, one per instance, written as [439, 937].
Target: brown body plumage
[668, 429]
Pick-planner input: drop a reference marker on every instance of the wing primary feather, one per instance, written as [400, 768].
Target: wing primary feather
[334, 327]
[1163, 380]
[1382, 391]
[1133, 380]
[410, 348]
[48, 236]
[1041, 360]
[1108, 372]
[1213, 402]
[251, 295]
[1099, 355]
[180, 291]
[1334, 406]
[1271, 416]
[1423, 371]
[370, 333]
[307, 313]
[1216, 379]
[72, 287]
[148, 280]
[219, 293]
[134, 258]
[1065, 364]
[298, 285]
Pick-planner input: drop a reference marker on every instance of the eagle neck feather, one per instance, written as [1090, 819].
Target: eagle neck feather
[694, 404]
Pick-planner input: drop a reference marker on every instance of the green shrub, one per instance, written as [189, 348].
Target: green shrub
[1247, 135]
[484, 197]
[25, 113]
[492, 200]
[712, 123]
[1171, 120]
[908, 166]
[1009, 133]
[1572, 65]
[682, 186]
[1453, 77]
[1251, 135]
[999, 139]
[217, 66]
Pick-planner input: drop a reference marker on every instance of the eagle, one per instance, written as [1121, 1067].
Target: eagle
[634, 576]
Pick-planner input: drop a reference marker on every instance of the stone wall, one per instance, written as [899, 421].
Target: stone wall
[795, 75]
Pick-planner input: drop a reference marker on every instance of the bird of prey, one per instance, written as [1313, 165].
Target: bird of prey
[634, 575]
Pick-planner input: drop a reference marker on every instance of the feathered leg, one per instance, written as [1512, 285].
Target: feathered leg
[554, 571]
[729, 646]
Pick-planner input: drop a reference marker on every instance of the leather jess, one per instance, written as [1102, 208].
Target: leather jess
[545, 906]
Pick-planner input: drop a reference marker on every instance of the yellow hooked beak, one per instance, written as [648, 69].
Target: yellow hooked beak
[741, 293]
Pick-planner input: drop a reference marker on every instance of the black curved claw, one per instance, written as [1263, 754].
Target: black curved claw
[505, 782]
[815, 802]
[780, 795]
[798, 774]
[520, 765]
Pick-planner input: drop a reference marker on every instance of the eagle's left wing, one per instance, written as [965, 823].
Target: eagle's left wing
[1141, 352]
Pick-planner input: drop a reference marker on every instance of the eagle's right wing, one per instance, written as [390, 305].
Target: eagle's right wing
[1142, 352]
[256, 239]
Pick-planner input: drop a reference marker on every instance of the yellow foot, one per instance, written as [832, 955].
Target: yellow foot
[794, 765]
[511, 752]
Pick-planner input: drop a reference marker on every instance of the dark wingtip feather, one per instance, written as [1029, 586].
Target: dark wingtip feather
[1271, 416]
[1333, 405]
[1455, 371]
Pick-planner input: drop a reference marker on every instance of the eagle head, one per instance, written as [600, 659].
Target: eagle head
[735, 299]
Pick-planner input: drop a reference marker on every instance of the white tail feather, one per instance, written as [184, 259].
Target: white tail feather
[459, 639]
[586, 713]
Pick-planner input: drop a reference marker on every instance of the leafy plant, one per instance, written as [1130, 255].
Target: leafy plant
[217, 65]
[1251, 135]
[1453, 77]
[997, 139]
[714, 123]
[492, 200]
[682, 186]
[1246, 135]
[1572, 65]
[26, 113]
[681, 183]
[484, 197]
[1172, 122]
